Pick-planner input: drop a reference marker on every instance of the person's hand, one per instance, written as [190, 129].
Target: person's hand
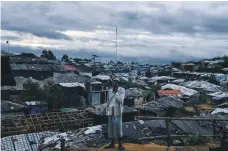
[115, 89]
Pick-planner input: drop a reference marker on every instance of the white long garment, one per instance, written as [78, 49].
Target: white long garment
[115, 102]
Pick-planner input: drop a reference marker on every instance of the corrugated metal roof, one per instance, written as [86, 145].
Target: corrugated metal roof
[35, 67]
[132, 131]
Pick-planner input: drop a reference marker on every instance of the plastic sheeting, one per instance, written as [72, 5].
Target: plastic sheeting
[162, 104]
[74, 84]
[184, 90]
[204, 85]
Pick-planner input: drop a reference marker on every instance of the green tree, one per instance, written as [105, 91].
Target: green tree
[53, 95]
[65, 58]
[44, 54]
[176, 64]
[225, 58]
[51, 56]
[33, 91]
[48, 55]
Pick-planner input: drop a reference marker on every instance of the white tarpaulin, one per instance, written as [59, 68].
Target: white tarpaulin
[102, 77]
[75, 84]
[184, 90]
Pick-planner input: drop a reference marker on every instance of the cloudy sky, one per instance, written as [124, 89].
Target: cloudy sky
[147, 31]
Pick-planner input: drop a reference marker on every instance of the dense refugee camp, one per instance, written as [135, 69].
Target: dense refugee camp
[97, 76]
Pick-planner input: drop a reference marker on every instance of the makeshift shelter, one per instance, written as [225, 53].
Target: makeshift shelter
[178, 81]
[161, 79]
[97, 93]
[69, 67]
[68, 77]
[134, 97]
[162, 93]
[187, 75]
[73, 94]
[36, 71]
[11, 109]
[222, 79]
[217, 98]
[188, 66]
[28, 58]
[8, 92]
[221, 111]
[202, 85]
[36, 107]
[189, 95]
[165, 106]
[102, 78]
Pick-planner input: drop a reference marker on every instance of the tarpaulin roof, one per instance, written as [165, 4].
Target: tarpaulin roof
[169, 92]
[102, 77]
[70, 68]
[35, 103]
[161, 104]
[220, 110]
[10, 106]
[68, 78]
[134, 92]
[162, 78]
[219, 95]
[75, 84]
[184, 90]
[178, 81]
[206, 86]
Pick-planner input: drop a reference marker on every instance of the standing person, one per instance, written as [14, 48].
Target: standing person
[114, 111]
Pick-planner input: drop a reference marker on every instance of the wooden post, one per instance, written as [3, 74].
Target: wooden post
[13, 143]
[62, 140]
[169, 141]
[214, 130]
[105, 101]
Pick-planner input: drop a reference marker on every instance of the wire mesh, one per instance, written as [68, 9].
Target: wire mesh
[23, 133]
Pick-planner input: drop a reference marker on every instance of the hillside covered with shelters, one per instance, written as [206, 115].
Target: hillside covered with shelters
[36, 87]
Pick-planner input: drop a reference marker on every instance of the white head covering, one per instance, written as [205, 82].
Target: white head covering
[116, 79]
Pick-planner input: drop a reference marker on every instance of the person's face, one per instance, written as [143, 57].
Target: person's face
[115, 84]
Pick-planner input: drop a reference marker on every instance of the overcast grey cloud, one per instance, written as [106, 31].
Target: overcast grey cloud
[146, 30]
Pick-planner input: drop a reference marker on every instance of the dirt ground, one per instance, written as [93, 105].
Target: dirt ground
[149, 147]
